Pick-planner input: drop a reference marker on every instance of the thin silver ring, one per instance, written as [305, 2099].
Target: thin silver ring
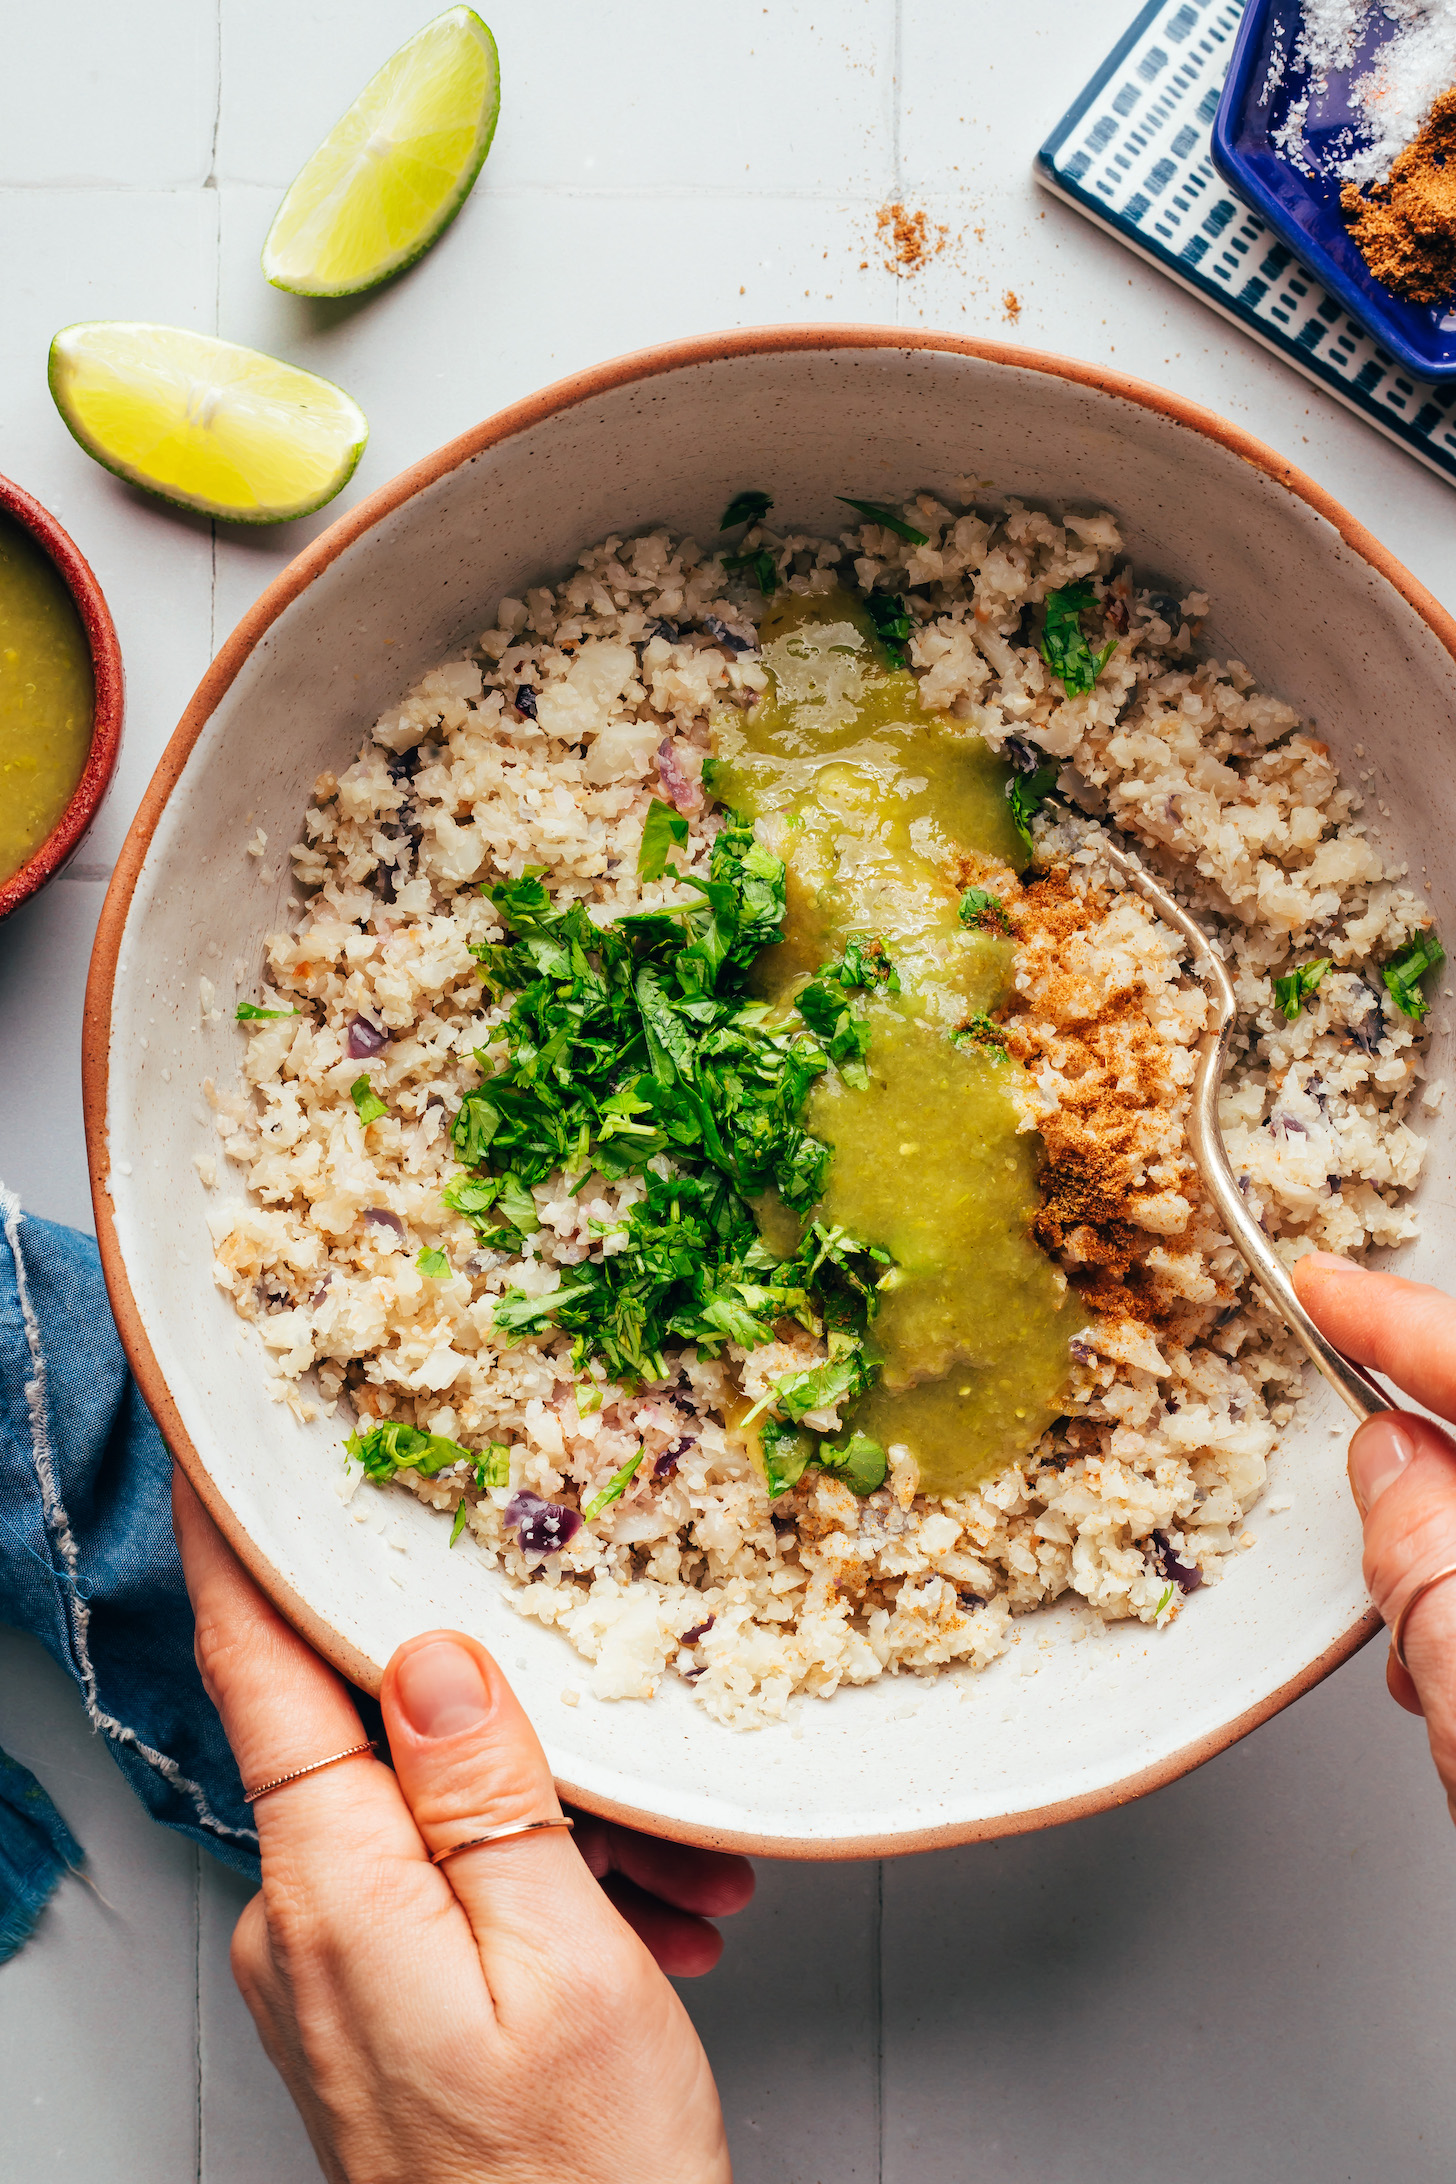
[1397, 1636]
[500, 1835]
[250, 1797]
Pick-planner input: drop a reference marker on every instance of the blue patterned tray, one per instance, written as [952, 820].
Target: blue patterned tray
[1133, 155]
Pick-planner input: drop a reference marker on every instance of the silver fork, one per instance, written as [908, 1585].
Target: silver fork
[1363, 1394]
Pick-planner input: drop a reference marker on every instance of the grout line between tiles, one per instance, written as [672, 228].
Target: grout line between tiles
[877, 1995]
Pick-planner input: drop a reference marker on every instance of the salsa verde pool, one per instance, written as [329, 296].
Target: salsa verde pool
[46, 697]
[882, 813]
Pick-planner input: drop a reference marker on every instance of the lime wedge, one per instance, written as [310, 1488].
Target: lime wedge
[205, 423]
[391, 175]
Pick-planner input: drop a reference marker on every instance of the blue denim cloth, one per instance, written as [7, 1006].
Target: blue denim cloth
[89, 1565]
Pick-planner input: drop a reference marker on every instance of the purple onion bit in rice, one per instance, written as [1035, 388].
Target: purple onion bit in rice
[699, 1630]
[386, 1219]
[1185, 1575]
[682, 790]
[1024, 756]
[542, 1527]
[721, 634]
[667, 1462]
[1082, 1351]
[525, 701]
[667, 631]
[1289, 1125]
[365, 1038]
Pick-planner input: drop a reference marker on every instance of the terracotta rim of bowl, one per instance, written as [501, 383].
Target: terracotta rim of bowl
[520, 416]
[109, 703]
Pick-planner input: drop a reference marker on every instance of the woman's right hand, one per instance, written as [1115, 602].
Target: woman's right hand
[1403, 1474]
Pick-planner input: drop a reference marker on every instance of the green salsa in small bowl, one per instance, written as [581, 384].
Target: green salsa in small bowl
[60, 696]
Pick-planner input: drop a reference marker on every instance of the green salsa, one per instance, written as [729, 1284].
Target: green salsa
[878, 809]
[46, 697]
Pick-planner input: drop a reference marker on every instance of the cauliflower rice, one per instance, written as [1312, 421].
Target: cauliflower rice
[543, 747]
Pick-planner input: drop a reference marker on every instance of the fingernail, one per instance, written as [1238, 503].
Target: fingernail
[1330, 1259]
[1379, 1453]
[441, 1689]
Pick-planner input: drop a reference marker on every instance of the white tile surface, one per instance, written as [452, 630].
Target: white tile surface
[1246, 1977]
[98, 2055]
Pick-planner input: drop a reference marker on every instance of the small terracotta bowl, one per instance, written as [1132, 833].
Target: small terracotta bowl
[65, 836]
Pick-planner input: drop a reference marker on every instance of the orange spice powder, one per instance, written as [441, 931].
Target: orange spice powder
[1405, 227]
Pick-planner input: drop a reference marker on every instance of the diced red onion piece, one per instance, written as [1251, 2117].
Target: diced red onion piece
[365, 1038]
[542, 1527]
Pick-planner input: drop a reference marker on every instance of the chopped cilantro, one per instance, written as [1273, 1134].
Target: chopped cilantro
[494, 1467]
[248, 1014]
[979, 907]
[760, 565]
[887, 517]
[789, 1450]
[787, 1453]
[844, 1034]
[433, 1263]
[394, 1446]
[749, 507]
[893, 626]
[1291, 993]
[1026, 793]
[615, 1487]
[859, 1462]
[1407, 967]
[865, 962]
[367, 1100]
[663, 828]
[844, 1374]
[1167, 1596]
[980, 1030]
[635, 1040]
[1064, 648]
[459, 1525]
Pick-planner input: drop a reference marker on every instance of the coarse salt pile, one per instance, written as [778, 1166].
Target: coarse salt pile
[1410, 49]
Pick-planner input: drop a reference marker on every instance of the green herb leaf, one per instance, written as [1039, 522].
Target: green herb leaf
[866, 963]
[367, 1100]
[433, 1263]
[1063, 646]
[459, 1525]
[517, 1204]
[1167, 1596]
[1407, 967]
[394, 1446]
[248, 1014]
[787, 1453]
[749, 507]
[893, 626]
[494, 1467]
[760, 565]
[1026, 793]
[980, 908]
[845, 1036]
[615, 1487]
[1291, 993]
[860, 1462]
[877, 513]
[980, 1030]
[663, 827]
[847, 1372]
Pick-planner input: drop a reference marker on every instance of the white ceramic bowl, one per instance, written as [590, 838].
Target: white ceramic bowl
[1320, 613]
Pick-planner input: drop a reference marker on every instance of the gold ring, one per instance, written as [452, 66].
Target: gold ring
[500, 1835]
[250, 1797]
[1397, 1636]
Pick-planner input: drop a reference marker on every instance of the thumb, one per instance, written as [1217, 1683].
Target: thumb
[1403, 1471]
[468, 1760]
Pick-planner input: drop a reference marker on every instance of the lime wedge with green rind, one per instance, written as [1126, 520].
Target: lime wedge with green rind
[391, 176]
[204, 423]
